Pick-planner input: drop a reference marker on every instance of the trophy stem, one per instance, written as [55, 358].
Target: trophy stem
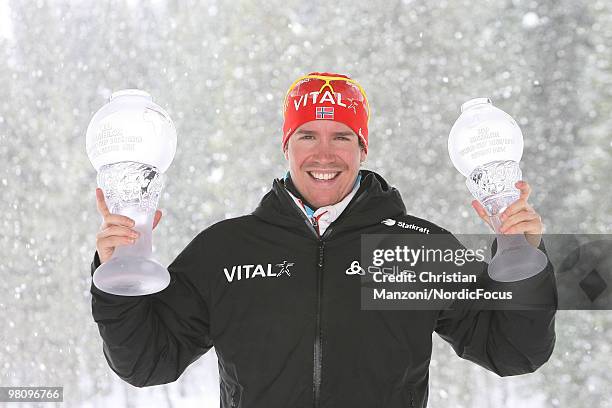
[143, 246]
[515, 259]
[131, 271]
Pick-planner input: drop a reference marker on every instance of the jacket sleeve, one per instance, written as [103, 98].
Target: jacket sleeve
[507, 342]
[150, 340]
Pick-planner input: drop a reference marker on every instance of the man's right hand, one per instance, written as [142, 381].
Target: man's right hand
[116, 229]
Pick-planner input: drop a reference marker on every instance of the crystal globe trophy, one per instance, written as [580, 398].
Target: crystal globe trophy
[131, 142]
[485, 144]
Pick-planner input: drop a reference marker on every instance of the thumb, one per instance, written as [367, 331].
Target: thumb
[156, 218]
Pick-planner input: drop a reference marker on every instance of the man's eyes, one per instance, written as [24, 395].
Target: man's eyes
[309, 137]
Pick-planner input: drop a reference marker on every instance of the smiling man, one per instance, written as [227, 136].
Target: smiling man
[275, 291]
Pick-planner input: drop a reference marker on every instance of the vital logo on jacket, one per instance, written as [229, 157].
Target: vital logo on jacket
[238, 272]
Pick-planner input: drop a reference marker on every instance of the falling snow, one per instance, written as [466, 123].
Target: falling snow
[221, 70]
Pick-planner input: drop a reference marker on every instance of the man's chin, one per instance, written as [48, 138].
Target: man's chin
[324, 187]
[324, 203]
[321, 196]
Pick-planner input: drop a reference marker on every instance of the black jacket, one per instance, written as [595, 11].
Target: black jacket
[287, 324]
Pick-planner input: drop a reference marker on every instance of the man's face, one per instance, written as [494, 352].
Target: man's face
[324, 158]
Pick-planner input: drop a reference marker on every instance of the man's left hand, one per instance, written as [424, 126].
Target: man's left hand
[519, 217]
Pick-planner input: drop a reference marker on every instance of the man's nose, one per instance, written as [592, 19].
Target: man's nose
[324, 151]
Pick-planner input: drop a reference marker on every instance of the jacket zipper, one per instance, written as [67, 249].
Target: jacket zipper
[316, 374]
[318, 341]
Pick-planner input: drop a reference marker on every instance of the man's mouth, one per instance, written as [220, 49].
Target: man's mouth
[323, 176]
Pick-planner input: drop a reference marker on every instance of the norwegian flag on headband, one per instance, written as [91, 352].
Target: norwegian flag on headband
[324, 112]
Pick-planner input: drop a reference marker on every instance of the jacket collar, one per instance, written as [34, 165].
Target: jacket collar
[373, 201]
[324, 216]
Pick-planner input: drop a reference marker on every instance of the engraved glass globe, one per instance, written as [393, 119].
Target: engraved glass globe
[131, 142]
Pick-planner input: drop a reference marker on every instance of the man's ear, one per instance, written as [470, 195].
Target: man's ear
[364, 155]
[286, 152]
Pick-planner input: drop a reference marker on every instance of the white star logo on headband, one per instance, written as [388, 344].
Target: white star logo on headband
[353, 106]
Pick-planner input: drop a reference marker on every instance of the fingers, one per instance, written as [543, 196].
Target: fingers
[109, 218]
[117, 219]
[115, 241]
[531, 228]
[527, 221]
[519, 217]
[118, 231]
[525, 189]
[520, 204]
[101, 203]
[156, 218]
[113, 236]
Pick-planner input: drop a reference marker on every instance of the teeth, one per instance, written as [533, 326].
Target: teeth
[323, 176]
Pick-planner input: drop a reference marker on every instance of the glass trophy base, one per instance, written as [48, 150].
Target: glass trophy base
[516, 259]
[131, 276]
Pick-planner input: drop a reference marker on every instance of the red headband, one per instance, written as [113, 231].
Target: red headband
[325, 96]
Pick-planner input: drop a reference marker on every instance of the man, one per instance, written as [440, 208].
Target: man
[271, 291]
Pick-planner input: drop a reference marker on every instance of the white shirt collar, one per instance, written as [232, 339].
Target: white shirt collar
[324, 216]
